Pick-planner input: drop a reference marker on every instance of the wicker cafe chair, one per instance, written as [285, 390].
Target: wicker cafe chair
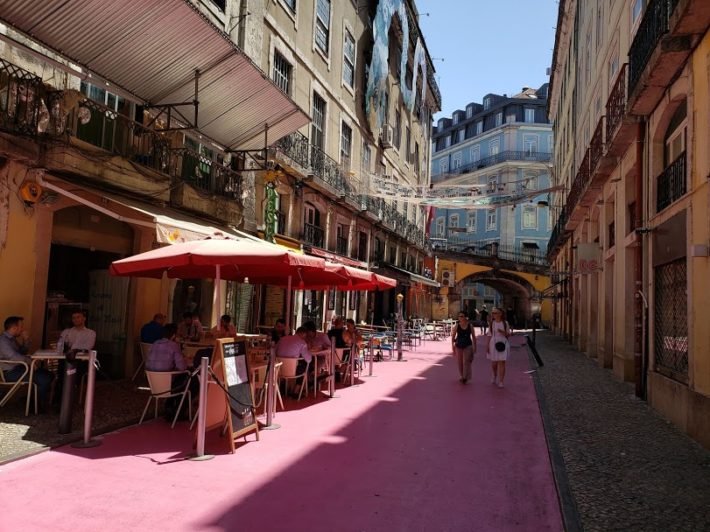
[16, 385]
[160, 383]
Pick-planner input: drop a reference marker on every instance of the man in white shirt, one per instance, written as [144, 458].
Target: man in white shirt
[79, 337]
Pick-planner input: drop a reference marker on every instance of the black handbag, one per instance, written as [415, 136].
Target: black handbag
[500, 346]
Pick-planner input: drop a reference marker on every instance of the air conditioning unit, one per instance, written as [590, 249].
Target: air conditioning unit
[447, 278]
[387, 136]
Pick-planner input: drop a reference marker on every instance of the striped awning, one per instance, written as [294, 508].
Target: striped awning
[152, 49]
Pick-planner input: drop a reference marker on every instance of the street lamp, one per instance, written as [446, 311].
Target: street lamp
[400, 324]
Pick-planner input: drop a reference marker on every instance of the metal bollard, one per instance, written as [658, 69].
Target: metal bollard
[89, 405]
[202, 415]
[271, 392]
[67, 406]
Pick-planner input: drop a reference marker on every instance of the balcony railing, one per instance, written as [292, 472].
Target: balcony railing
[653, 26]
[205, 174]
[596, 148]
[502, 157]
[557, 236]
[313, 235]
[296, 147]
[616, 105]
[20, 99]
[671, 184]
[520, 254]
[580, 183]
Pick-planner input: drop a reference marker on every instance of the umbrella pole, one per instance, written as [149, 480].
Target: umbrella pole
[271, 371]
[216, 297]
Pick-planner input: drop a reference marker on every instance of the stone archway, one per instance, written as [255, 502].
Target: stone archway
[516, 292]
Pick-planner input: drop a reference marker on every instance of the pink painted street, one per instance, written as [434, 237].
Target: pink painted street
[410, 448]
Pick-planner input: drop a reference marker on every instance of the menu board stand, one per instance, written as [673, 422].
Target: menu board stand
[230, 402]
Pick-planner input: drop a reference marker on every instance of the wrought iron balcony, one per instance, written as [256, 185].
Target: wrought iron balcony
[295, 146]
[654, 25]
[558, 235]
[313, 235]
[205, 174]
[502, 157]
[672, 183]
[616, 104]
[596, 147]
[20, 99]
[469, 244]
[108, 129]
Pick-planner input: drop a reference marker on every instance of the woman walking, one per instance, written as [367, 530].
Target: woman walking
[463, 344]
[498, 346]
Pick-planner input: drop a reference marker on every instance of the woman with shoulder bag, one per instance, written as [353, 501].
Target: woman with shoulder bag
[498, 346]
[463, 344]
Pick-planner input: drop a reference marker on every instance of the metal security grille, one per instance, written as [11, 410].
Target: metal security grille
[282, 73]
[671, 320]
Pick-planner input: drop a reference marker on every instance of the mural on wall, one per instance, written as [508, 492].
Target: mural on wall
[375, 94]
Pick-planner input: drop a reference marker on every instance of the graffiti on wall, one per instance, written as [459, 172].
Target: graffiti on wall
[377, 89]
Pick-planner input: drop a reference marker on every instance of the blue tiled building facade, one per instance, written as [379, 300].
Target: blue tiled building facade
[505, 144]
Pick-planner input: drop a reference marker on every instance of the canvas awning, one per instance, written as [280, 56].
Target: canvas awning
[151, 49]
[171, 226]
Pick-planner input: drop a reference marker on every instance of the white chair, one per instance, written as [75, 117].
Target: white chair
[261, 387]
[289, 373]
[160, 383]
[16, 385]
[144, 349]
[344, 363]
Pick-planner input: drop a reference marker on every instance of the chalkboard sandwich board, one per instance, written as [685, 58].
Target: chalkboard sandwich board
[240, 413]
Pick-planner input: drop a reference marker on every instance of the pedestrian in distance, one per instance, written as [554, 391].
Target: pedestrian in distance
[463, 345]
[498, 346]
[484, 319]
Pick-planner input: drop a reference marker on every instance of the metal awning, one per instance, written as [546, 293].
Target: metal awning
[404, 275]
[152, 49]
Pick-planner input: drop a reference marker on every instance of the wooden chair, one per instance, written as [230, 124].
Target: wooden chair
[16, 385]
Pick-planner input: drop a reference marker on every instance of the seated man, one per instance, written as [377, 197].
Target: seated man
[336, 333]
[279, 330]
[190, 329]
[295, 346]
[224, 329]
[78, 337]
[165, 355]
[153, 330]
[13, 347]
[317, 341]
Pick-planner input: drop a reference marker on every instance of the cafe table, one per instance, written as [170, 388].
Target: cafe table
[44, 355]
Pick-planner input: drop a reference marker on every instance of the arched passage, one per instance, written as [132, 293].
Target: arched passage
[516, 293]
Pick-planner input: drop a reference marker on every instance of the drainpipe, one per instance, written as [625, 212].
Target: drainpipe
[641, 307]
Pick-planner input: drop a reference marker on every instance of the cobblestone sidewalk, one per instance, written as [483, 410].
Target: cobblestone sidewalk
[626, 467]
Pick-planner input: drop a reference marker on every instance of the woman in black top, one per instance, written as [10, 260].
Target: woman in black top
[463, 344]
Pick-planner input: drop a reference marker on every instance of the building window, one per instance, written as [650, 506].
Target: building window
[440, 227]
[471, 222]
[499, 119]
[318, 123]
[453, 221]
[469, 111]
[444, 166]
[416, 158]
[491, 220]
[456, 118]
[492, 184]
[282, 72]
[456, 161]
[462, 135]
[530, 145]
[349, 59]
[493, 147]
[487, 102]
[613, 68]
[346, 143]
[476, 153]
[530, 116]
[366, 158]
[408, 144]
[636, 11]
[291, 4]
[529, 217]
[479, 127]
[531, 182]
[322, 26]
[397, 128]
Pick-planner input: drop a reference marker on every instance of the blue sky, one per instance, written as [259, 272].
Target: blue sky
[495, 46]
